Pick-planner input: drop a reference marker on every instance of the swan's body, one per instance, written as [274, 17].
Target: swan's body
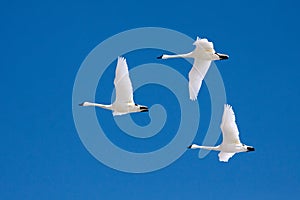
[231, 142]
[124, 102]
[203, 54]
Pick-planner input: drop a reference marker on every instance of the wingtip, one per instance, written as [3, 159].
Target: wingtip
[224, 161]
[193, 98]
[121, 58]
[227, 105]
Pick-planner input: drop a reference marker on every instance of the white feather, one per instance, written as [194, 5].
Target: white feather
[123, 86]
[203, 54]
[196, 76]
[229, 127]
[224, 156]
[124, 103]
[231, 142]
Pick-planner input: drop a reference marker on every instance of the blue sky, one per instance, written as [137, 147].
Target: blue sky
[43, 46]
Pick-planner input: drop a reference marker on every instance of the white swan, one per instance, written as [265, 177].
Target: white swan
[124, 103]
[203, 54]
[231, 142]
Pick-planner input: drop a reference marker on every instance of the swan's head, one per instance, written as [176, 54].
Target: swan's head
[85, 104]
[219, 56]
[193, 146]
[162, 57]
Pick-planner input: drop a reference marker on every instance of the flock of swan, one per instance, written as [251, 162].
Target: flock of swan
[203, 54]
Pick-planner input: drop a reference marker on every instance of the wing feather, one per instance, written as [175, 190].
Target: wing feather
[229, 127]
[224, 156]
[204, 45]
[196, 76]
[123, 86]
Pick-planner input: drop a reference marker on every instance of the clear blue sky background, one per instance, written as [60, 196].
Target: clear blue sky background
[43, 45]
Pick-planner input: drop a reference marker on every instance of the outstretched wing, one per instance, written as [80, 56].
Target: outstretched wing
[124, 92]
[196, 76]
[204, 45]
[224, 156]
[228, 126]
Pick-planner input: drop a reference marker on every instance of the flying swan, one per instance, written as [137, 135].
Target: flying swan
[231, 142]
[203, 54]
[124, 103]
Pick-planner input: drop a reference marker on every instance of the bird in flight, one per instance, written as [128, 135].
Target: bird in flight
[124, 102]
[203, 54]
[231, 142]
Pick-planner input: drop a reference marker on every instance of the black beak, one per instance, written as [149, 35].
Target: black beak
[81, 104]
[189, 147]
[160, 57]
[222, 56]
[250, 149]
[144, 109]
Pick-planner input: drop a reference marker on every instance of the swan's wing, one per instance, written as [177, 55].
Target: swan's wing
[204, 45]
[228, 126]
[224, 156]
[124, 93]
[196, 76]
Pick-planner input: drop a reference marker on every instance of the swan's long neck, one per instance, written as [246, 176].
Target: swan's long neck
[187, 55]
[108, 107]
[195, 146]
